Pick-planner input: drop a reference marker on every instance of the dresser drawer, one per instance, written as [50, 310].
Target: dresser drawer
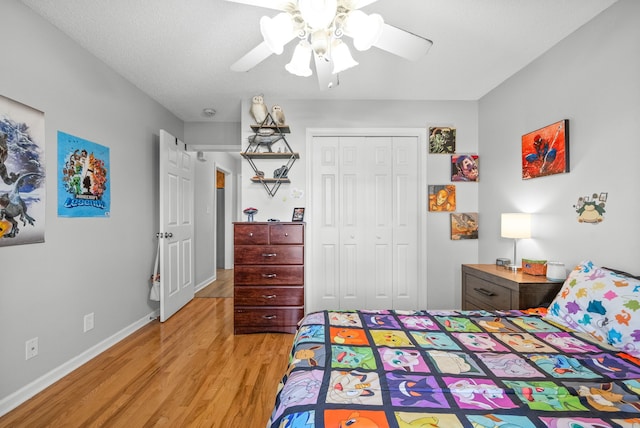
[268, 275]
[286, 234]
[487, 293]
[269, 255]
[251, 234]
[267, 317]
[268, 296]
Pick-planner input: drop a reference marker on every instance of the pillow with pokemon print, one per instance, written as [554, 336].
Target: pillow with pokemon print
[602, 303]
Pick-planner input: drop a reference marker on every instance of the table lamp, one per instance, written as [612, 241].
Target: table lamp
[515, 226]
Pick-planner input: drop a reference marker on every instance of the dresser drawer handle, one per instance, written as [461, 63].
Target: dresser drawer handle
[485, 292]
[269, 275]
[269, 254]
[286, 234]
[269, 317]
[250, 234]
[269, 296]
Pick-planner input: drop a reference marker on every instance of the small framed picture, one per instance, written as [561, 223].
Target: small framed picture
[298, 214]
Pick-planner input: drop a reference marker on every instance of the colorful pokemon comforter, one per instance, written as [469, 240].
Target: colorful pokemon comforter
[366, 369]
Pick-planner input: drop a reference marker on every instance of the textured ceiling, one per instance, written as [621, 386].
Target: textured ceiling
[179, 52]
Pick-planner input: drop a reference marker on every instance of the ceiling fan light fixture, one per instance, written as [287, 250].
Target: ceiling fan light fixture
[318, 13]
[320, 41]
[276, 31]
[341, 56]
[364, 29]
[299, 64]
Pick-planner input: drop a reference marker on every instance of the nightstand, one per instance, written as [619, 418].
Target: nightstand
[492, 287]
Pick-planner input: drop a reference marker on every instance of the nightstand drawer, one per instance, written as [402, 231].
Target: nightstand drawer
[492, 287]
[487, 293]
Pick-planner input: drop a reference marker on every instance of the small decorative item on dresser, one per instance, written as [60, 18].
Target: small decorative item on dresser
[503, 262]
[556, 272]
[250, 212]
[534, 267]
[298, 214]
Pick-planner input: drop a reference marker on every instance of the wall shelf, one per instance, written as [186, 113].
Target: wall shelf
[264, 140]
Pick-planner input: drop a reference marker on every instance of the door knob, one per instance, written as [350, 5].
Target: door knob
[168, 235]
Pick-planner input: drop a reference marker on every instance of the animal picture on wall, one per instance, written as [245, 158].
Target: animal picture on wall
[464, 226]
[442, 140]
[591, 209]
[22, 174]
[545, 151]
[83, 178]
[442, 197]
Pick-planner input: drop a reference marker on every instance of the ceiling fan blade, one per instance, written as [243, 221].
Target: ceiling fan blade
[269, 4]
[403, 43]
[324, 70]
[252, 58]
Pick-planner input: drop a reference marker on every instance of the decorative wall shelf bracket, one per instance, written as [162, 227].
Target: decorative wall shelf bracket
[259, 149]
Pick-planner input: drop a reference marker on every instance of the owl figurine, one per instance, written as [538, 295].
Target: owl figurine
[258, 109]
[278, 115]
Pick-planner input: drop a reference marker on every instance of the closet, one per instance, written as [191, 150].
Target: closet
[365, 222]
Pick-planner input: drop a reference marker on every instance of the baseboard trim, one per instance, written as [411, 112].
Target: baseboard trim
[28, 391]
[204, 283]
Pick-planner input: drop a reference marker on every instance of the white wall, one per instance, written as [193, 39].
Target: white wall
[214, 139]
[444, 256]
[85, 265]
[592, 79]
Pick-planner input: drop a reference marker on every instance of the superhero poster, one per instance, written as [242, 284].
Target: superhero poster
[22, 174]
[546, 151]
[83, 178]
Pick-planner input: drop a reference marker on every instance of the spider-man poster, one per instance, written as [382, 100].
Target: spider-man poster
[83, 178]
[546, 151]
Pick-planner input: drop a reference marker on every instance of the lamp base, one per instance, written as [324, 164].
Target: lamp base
[513, 267]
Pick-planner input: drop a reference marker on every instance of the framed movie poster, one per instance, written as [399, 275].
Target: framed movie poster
[442, 197]
[464, 168]
[442, 139]
[545, 151]
[22, 174]
[464, 226]
[83, 178]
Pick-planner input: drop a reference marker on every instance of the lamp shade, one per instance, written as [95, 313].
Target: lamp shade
[341, 56]
[276, 31]
[300, 60]
[318, 13]
[515, 225]
[364, 29]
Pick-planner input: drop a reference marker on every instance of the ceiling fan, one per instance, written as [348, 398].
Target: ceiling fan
[319, 26]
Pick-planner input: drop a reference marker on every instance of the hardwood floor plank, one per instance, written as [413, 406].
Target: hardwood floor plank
[190, 371]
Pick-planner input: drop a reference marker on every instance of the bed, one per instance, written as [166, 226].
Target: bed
[573, 364]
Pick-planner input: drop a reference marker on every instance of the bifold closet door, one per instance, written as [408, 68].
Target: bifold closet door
[364, 223]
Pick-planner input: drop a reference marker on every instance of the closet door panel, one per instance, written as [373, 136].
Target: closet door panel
[405, 226]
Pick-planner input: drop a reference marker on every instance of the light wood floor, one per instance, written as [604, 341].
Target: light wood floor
[190, 371]
[221, 287]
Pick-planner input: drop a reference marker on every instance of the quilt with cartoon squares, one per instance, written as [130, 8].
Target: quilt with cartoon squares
[476, 369]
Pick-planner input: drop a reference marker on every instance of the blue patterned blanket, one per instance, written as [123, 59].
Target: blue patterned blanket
[475, 369]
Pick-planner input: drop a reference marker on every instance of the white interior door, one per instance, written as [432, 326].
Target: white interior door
[176, 225]
[365, 234]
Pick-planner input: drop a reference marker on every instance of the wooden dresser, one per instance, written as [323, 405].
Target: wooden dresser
[493, 287]
[268, 277]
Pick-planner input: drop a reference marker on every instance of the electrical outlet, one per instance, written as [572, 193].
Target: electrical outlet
[88, 322]
[31, 348]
